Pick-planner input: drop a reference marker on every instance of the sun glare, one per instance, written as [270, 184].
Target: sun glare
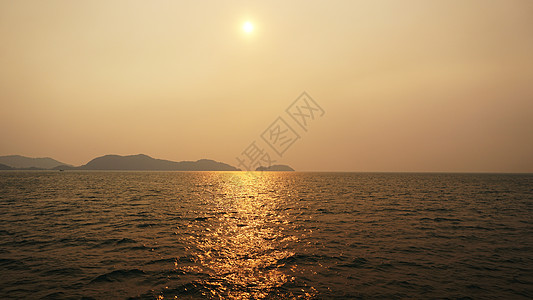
[248, 27]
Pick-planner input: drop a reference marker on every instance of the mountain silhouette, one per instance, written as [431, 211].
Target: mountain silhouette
[142, 162]
[275, 168]
[5, 167]
[138, 162]
[23, 162]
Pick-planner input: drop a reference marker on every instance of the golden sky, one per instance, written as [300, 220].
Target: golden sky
[409, 85]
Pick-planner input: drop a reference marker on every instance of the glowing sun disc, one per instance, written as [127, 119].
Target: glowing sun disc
[248, 27]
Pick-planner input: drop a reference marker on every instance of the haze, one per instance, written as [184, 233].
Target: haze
[435, 86]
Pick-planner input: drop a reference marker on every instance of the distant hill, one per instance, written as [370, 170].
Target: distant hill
[276, 168]
[5, 167]
[142, 162]
[23, 162]
[139, 162]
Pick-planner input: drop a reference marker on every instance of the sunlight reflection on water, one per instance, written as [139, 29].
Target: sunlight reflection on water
[241, 246]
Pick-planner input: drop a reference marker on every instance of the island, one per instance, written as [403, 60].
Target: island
[276, 168]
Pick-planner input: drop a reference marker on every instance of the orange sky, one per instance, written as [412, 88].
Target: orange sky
[405, 85]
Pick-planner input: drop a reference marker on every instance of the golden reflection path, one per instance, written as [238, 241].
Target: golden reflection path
[241, 247]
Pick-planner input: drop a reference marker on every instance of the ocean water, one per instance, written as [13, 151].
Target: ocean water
[236, 235]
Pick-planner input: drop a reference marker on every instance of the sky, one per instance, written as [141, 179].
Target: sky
[403, 86]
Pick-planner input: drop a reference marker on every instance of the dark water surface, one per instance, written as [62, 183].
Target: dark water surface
[236, 235]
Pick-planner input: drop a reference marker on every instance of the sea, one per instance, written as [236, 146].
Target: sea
[265, 235]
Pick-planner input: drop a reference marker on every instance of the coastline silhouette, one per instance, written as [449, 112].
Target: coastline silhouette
[138, 162]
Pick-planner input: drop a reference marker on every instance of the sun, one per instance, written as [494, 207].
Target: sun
[248, 27]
